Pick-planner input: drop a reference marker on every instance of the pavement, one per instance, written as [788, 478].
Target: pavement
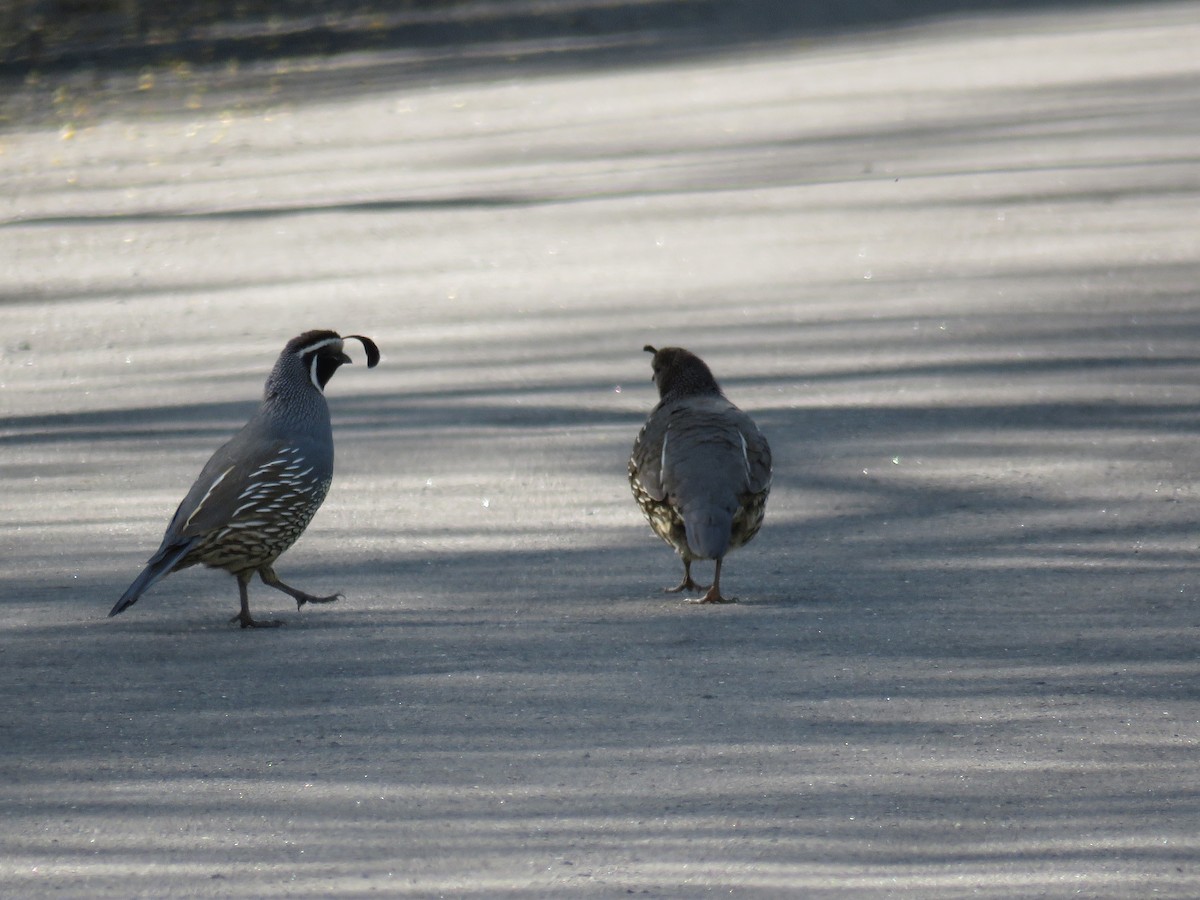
[949, 266]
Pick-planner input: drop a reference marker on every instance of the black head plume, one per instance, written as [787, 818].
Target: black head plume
[369, 346]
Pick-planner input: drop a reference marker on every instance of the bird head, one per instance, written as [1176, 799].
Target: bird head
[321, 353]
[679, 372]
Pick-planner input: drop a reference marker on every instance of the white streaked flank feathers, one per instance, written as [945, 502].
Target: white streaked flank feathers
[212, 487]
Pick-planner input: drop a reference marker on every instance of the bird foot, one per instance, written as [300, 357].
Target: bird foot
[686, 585]
[302, 598]
[713, 596]
[247, 622]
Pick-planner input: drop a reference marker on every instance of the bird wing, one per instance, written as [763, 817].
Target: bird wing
[645, 463]
[756, 453]
[214, 497]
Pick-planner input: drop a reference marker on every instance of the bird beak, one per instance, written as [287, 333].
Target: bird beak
[369, 346]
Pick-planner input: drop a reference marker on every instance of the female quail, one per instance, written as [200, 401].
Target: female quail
[259, 491]
[700, 469]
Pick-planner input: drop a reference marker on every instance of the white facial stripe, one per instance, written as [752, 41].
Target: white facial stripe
[320, 345]
[315, 349]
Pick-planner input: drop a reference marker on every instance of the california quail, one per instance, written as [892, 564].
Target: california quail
[257, 493]
[700, 468]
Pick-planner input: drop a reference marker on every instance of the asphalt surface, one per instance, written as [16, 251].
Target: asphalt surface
[951, 270]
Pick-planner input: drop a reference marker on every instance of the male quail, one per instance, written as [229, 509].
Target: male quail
[259, 491]
[700, 468]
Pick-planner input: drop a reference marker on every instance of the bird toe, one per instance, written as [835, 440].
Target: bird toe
[247, 622]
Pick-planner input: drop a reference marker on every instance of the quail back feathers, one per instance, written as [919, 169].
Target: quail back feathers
[700, 468]
[258, 492]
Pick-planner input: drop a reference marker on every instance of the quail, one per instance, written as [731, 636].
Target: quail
[700, 468]
[258, 492]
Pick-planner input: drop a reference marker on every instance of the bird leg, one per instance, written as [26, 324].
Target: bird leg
[714, 592]
[270, 579]
[687, 584]
[244, 616]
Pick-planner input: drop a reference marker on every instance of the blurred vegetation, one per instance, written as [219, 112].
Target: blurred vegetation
[115, 34]
[124, 34]
[70, 62]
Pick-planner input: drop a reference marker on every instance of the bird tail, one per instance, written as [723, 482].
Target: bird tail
[709, 532]
[160, 564]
